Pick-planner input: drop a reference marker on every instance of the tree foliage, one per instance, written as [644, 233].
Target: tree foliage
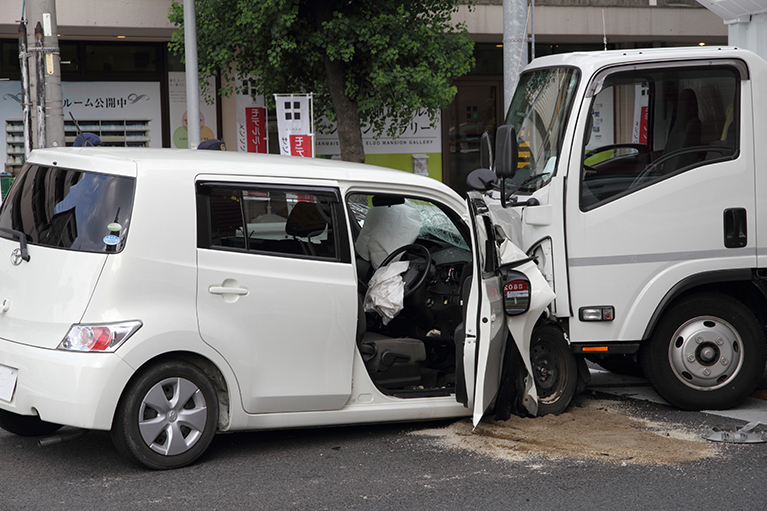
[367, 61]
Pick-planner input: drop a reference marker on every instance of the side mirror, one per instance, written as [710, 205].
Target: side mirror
[506, 152]
[482, 179]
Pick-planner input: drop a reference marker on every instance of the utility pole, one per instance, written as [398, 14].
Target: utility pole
[514, 46]
[43, 45]
[192, 79]
[25, 94]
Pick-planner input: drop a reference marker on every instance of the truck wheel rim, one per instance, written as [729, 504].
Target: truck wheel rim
[547, 371]
[706, 353]
[172, 416]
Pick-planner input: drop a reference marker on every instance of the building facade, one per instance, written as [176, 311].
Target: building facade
[119, 80]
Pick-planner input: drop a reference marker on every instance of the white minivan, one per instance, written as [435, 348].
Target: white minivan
[165, 295]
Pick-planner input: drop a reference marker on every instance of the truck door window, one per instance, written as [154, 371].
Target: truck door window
[651, 124]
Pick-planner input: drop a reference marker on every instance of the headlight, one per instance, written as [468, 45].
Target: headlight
[101, 338]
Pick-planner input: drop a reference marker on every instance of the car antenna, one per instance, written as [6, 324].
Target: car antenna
[86, 142]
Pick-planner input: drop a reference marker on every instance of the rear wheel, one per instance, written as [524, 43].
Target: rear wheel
[554, 369]
[26, 425]
[167, 416]
[707, 352]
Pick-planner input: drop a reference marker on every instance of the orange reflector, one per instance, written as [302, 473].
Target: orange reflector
[594, 348]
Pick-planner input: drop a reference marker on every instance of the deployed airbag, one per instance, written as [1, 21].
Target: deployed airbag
[386, 291]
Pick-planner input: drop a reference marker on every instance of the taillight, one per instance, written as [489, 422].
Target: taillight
[98, 338]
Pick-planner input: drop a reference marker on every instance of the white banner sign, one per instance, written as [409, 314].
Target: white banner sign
[418, 137]
[294, 124]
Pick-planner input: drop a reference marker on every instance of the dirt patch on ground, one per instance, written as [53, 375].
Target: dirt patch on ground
[589, 429]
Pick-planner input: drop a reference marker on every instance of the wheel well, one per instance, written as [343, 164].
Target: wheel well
[741, 286]
[206, 366]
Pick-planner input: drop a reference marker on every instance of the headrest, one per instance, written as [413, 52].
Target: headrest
[305, 221]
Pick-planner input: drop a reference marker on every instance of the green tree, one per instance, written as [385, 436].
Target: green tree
[367, 61]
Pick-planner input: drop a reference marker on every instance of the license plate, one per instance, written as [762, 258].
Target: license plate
[8, 377]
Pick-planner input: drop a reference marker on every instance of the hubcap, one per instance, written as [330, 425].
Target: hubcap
[172, 416]
[705, 353]
[546, 371]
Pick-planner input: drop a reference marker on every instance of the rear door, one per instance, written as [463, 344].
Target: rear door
[70, 221]
[277, 293]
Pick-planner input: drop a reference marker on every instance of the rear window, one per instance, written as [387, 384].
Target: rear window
[70, 209]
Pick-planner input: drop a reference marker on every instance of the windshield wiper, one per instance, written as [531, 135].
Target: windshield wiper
[22, 241]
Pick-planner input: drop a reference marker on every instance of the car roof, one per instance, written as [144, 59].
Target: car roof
[135, 162]
[593, 60]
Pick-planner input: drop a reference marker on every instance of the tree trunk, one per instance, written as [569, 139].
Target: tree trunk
[347, 117]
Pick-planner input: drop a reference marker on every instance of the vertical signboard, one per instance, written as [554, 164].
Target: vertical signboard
[252, 127]
[177, 104]
[294, 124]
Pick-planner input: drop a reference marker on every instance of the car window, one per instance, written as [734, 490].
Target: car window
[278, 221]
[71, 209]
[647, 125]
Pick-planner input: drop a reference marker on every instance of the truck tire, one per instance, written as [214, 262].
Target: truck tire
[26, 425]
[554, 369]
[707, 352]
[167, 416]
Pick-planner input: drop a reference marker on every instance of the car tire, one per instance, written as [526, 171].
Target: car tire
[707, 352]
[26, 425]
[167, 416]
[554, 369]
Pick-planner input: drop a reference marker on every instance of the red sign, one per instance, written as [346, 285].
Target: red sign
[643, 127]
[255, 120]
[301, 145]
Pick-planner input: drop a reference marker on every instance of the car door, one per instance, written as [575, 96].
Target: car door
[277, 293]
[486, 335]
[494, 255]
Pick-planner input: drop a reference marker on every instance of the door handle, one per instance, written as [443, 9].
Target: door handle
[735, 231]
[223, 290]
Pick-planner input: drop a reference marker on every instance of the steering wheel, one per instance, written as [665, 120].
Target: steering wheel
[415, 276]
[640, 148]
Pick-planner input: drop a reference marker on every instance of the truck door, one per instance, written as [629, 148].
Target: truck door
[662, 188]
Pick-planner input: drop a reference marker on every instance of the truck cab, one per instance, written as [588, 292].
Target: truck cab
[636, 186]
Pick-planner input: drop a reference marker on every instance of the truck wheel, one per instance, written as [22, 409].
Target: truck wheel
[167, 416]
[707, 352]
[26, 425]
[554, 369]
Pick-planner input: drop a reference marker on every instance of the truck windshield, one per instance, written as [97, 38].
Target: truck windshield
[539, 112]
[70, 209]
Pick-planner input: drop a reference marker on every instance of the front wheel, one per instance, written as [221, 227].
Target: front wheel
[167, 416]
[707, 352]
[554, 369]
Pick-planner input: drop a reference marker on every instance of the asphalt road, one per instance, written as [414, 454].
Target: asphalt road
[375, 467]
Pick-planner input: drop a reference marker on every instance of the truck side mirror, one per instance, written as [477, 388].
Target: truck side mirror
[483, 179]
[506, 154]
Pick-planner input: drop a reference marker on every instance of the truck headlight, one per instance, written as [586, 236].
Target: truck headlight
[101, 338]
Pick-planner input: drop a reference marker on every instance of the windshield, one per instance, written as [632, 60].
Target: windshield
[539, 112]
[71, 209]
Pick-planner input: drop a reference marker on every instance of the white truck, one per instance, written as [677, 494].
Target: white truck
[638, 179]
